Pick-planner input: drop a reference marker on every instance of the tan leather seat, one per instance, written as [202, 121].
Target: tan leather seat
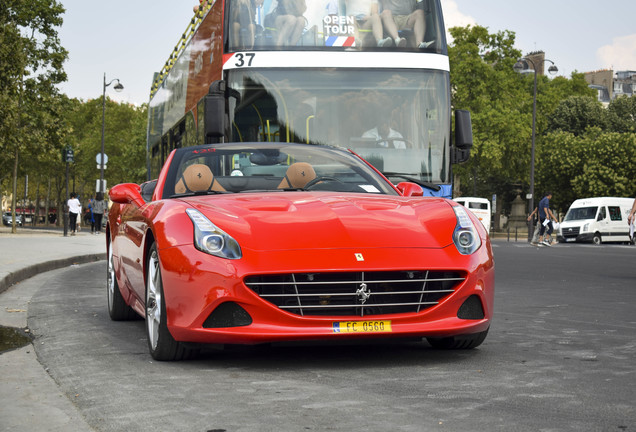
[297, 176]
[197, 178]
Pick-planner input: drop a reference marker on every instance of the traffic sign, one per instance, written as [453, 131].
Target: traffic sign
[67, 154]
[99, 158]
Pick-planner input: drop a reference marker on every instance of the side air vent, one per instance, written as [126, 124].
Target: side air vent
[471, 309]
[228, 314]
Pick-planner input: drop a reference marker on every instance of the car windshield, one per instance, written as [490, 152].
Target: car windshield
[281, 167]
[581, 213]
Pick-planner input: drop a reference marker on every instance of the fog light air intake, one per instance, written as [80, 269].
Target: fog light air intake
[471, 309]
[228, 314]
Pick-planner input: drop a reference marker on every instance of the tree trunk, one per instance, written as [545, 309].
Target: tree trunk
[14, 214]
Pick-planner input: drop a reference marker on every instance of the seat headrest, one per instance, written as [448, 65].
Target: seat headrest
[195, 178]
[298, 175]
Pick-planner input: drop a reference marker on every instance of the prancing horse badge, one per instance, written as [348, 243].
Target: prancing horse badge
[359, 257]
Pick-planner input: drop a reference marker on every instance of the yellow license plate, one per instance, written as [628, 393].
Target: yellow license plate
[362, 327]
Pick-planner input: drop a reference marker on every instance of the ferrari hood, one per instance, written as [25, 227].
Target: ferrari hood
[299, 220]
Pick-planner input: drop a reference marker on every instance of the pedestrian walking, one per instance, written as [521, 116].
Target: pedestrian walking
[99, 208]
[74, 210]
[534, 216]
[89, 218]
[631, 221]
[546, 217]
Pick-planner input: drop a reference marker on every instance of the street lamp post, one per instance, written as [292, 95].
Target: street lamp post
[522, 67]
[118, 87]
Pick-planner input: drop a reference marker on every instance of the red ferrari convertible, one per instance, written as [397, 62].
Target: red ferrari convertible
[250, 243]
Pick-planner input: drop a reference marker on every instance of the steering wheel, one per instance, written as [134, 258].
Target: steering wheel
[317, 180]
[391, 142]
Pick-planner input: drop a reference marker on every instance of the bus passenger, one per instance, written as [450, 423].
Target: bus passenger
[402, 15]
[367, 18]
[243, 21]
[288, 19]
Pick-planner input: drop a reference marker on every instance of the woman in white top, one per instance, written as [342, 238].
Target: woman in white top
[74, 210]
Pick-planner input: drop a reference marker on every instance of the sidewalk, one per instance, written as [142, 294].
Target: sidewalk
[29, 398]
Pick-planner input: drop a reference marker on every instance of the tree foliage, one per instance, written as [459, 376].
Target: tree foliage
[124, 142]
[484, 82]
[592, 153]
[622, 115]
[576, 113]
[31, 60]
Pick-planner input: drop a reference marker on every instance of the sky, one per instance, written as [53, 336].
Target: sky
[130, 40]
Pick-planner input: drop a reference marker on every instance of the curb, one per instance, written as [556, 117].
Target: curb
[30, 271]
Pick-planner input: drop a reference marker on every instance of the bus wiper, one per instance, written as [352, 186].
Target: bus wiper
[408, 177]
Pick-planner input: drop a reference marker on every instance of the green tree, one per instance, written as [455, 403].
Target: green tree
[31, 60]
[577, 113]
[124, 142]
[622, 114]
[595, 163]
[484, 82]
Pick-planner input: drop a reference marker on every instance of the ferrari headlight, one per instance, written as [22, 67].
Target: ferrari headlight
[211, 239]
[465, 236]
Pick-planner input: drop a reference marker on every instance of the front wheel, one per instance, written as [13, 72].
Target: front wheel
[597, 239]
[161, 344]
[468, 341]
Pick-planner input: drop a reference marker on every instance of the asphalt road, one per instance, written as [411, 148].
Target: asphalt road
[559, 357]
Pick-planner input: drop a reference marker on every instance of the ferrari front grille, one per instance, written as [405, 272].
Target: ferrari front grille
[355, 293]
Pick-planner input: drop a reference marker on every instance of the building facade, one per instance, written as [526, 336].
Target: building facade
[611, 85]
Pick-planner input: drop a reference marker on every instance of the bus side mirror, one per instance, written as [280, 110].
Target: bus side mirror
[463, 136]
[215, 112]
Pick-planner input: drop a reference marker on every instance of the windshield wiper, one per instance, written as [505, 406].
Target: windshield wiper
[199, 193]
[408, 177]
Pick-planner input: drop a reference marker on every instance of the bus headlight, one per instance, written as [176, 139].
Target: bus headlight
[211, 239]
[465, 236]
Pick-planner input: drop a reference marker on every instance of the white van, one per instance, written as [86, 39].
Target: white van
[480, 208]
[597, 220]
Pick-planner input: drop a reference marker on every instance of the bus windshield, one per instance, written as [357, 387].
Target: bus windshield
[334, 24]
[398, 120]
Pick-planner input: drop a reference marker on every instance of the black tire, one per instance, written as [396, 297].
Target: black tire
[117, 307]
[597, 239]
[161, 344]
[468, 341]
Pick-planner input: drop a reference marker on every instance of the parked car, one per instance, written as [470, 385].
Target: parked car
[249, 243]
[7, 219]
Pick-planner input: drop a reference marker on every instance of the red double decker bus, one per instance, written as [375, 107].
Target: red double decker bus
[315, 72]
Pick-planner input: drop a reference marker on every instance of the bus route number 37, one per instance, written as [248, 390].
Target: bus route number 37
[244, 59]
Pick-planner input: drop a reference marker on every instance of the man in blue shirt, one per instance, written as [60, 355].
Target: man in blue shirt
[545, 219]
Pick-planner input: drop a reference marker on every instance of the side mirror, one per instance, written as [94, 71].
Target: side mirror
[409, 189]
[147, 189]
[126, 193]
[215, 112]
[463, 136]
[463, 130]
